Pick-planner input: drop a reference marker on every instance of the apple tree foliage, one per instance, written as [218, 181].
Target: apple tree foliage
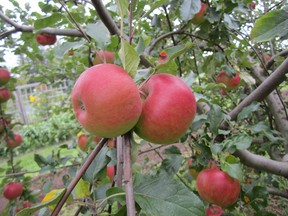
[245, 131]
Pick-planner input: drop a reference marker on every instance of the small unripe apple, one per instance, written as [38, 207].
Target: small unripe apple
[214, 211]
[82, 142]
[5, 95]
[199, 17]
[13, 142]
[106, 101]
[217, 187]
[110, 172]
[4, 76]
[103, 56]
[12, 190]
[169, 107]
[46, 39]
[230, 82]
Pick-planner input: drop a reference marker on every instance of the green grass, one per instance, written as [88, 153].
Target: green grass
[27, 160]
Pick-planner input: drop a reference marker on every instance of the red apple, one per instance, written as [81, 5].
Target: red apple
[217, 187]
[26, 204]
[82, 142]
[4, 76]
[230, 82]
[103, 56]
[46, 39]
[106, 101]
[199, 17]
[252, 5]
[214, 211]
[266, 57]
[169, 108]
[15, 141]
[110, 172]
[12, 190]
[4, 95]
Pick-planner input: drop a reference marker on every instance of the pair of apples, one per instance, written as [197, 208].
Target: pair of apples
[108, 103]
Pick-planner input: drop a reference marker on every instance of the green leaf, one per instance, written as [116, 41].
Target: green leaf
[116, 194]
[100, 161]
[40, 160]
[233, 167]
[270, 25]
[242, 142]
[100, 33]
[129, 58]
[66, 46]
[82, 189]
[156, 21]
[175, 199]
[140, 46]
[51, 202]
[189, 8]
[173, 53]
[260, 127]
[215, 118]
[50, 21]
[154, 5]
[246, 111]
[170, 67]
[189, 79]
[216, 148]
[231, 22]
[173, 161]
[122, 6]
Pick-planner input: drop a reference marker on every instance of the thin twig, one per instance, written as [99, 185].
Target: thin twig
[172, 37]
[74, 21]
[120, 161]
[130, 201]
[112, 27]
[12, 175]
[153, 148]
[78, 176]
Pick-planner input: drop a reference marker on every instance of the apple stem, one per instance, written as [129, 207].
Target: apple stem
[130, 202]
[78, 176]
